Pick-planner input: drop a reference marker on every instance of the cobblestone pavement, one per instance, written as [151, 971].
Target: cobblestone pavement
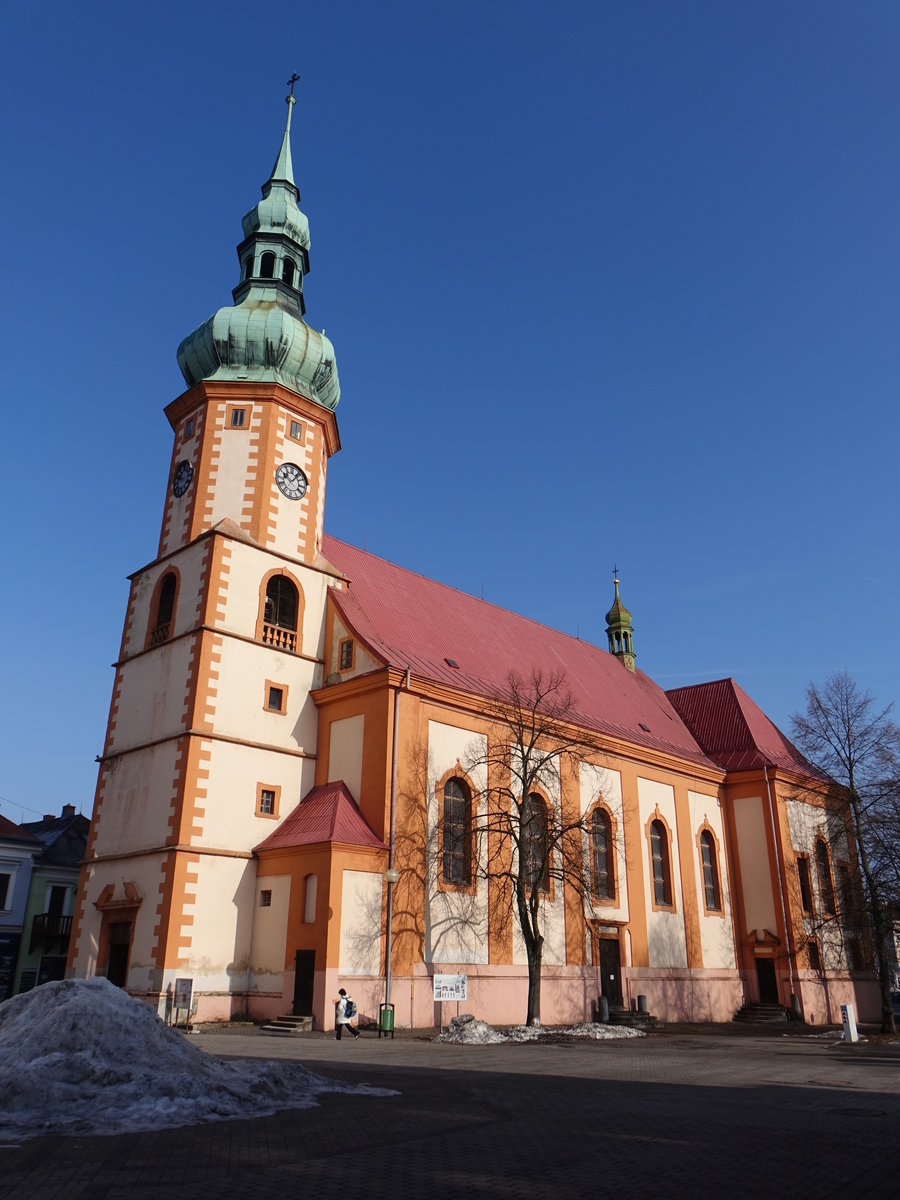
[669, 1116]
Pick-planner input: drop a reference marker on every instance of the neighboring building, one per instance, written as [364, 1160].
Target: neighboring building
[51, 896]
[279, 695]
[17, 851]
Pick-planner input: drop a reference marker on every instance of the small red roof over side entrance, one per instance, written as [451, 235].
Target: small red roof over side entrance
[326, 814]
[734, 731]
[408, 620]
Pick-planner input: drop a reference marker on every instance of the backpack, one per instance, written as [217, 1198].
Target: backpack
[349, 1007]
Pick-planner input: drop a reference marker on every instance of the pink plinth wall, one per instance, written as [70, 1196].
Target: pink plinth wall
[822, 998]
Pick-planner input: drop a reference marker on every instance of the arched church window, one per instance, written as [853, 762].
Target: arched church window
[288, 271]
[161, 623]
[280, 612]
[709, 861]
[534, 847]
[456, 829]
[267, 266]
[826, 883]
[659, 862]
[602, 875]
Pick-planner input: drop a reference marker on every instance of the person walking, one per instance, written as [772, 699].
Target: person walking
[343, 1010]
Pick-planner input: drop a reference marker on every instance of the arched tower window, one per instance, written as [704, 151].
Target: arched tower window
[602, 864]
[456, 833]
[248, 267]
[280, 613]
[288, 271]
[267, 265]
[659, 862]
[826, 883]
[709, 861]
[534, 848]
[161, 617]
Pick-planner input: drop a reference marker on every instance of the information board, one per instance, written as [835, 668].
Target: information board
[451, 987]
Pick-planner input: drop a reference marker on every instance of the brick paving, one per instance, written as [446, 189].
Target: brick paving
[671, 1116]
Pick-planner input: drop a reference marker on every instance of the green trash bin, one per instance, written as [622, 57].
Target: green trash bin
[386, 1020]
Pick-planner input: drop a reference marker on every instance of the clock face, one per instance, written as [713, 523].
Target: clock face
[291, 481]
[181, 480]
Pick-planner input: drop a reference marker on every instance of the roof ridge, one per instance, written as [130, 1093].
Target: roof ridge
[468, 595]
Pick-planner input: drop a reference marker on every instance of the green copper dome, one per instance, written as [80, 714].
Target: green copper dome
[619, 630]
[263, 336]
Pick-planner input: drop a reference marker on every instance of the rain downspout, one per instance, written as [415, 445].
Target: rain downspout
[795, 1003]
[391, 875]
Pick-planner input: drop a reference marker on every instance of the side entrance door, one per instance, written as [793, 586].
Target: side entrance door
[768, 984]
[610, 970]
[304, 976]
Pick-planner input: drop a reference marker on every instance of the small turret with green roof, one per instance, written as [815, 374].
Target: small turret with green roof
[263, 337]
[619, 630]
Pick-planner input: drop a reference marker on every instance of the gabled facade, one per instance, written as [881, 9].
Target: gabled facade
[298, 735]
[18, 850]
[51, 896]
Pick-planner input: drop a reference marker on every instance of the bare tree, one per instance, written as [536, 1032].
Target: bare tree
[857, 745]
[529, 840]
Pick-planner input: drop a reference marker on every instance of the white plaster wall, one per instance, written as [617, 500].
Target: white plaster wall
[189, 564]
[363, 661]
[345, 751]
[807, 822]
[753, 856]
[137, 800]
[270, 932]
[716, 935]
[240, 709]
[151, 696]
[361, 923]
[456, 923]
[146, 875]
[222, 922]
[597, 783]
[665, 930]
[230, 818]
[226, 499]
[294, 517]
[240, 598]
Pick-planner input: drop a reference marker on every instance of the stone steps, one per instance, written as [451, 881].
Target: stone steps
[288, 1026]
[631, 1017]
[761, 1014]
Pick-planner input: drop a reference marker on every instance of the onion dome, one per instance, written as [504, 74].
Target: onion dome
[263, 336]
[619, 630]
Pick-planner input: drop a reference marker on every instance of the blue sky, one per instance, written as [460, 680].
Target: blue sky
[608, 283]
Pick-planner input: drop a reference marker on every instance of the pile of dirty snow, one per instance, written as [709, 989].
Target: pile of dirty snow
[468, 1030]
[82, 1056]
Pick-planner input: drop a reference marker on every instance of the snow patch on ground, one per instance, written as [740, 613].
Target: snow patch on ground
[467, 1030]
[82, 1056]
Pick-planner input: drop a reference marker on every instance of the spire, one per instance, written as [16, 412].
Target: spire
[283, 171]
[618, 628]
[263, 336]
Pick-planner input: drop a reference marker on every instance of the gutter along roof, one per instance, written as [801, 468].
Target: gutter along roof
[408, 620]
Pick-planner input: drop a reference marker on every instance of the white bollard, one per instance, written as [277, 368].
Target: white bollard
[848, 1020]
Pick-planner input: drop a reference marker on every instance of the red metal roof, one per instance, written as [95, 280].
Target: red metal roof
[734, 731]
[326, 814]
[408, 620]
[15, 833]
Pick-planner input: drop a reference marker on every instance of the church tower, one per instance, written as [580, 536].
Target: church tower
[619, 630]
[212, 732]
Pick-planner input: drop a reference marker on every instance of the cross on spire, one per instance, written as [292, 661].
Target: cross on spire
[295, 78]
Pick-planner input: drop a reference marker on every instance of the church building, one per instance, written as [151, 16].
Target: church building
[302, 739]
